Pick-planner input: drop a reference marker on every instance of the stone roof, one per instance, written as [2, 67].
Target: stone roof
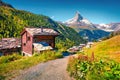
[8, 43]
[41, 31]
[41, 46]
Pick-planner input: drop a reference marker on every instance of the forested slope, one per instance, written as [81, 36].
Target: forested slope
[13, 21]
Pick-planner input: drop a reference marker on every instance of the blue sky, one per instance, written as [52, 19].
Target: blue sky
[97, 11]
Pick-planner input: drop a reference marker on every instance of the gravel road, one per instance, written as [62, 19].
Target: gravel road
[51, 70]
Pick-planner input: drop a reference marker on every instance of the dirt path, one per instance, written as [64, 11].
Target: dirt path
[51, 70]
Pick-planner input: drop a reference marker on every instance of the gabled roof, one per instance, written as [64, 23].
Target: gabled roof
[8, 43]
[41, 31]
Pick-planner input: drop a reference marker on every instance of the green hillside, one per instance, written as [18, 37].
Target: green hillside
[13, 21]
[106, 49]
[100, 62]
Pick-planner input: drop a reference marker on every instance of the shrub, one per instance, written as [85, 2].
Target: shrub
[85, 68]
[9, 58]
[59, 55]
[49, 54]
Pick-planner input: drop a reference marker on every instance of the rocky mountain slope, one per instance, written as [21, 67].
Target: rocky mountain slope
[85, 28]
[93, 35]
[112, 27]
[80, 22]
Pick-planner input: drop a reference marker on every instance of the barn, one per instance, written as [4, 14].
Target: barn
[9, 46]
[37, 39]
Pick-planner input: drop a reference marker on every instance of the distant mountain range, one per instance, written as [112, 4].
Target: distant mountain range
[112, 27]
[79, 21]
[86, 28]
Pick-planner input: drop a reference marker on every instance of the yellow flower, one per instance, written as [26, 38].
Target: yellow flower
[107, 68]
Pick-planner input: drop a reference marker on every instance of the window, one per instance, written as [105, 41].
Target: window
[24, 44]
[28, 38]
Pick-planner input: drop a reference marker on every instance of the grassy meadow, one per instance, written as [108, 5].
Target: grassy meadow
[106, 49]
[101, 61]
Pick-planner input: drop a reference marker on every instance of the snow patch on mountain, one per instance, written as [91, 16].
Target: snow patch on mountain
[86, 21]
[79, 21]
[104, 25]
[109, 27]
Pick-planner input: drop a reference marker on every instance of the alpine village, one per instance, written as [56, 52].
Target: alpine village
[36, 47]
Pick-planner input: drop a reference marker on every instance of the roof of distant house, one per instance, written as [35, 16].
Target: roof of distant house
[8, 43]
[41, 31]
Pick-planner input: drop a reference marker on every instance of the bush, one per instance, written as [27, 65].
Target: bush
[36, 54]
[9, 58]
[49, 54]
[59, 55]
[85, 68]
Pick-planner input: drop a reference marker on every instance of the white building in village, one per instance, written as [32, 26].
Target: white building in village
[89, 44]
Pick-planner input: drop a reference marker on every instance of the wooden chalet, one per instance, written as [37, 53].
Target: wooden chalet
[9, 46]
[34, 38]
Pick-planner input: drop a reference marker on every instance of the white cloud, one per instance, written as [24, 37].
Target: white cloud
[53, 17]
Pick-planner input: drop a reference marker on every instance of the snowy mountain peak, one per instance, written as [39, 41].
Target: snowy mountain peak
[78, 17]
[79, 21]
[105, 25]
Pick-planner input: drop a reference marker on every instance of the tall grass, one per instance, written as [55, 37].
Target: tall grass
[10, 58]
[106, 49]
[87, 68]
[105, 64]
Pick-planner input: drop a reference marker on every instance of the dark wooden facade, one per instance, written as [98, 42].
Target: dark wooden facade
[9, 46]
[9, 51]
[34, 35]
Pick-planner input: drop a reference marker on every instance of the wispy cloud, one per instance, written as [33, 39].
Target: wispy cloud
[52, 17]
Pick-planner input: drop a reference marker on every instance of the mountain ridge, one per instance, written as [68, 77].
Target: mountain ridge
[78, 20]
[111, 27]
[86, 28]
[5, 4]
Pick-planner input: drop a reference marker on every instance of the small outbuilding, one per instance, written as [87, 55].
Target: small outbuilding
[9, 46]
[37, 39]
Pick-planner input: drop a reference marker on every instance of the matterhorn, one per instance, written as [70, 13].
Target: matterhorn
[85, 28]
[79, 21]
